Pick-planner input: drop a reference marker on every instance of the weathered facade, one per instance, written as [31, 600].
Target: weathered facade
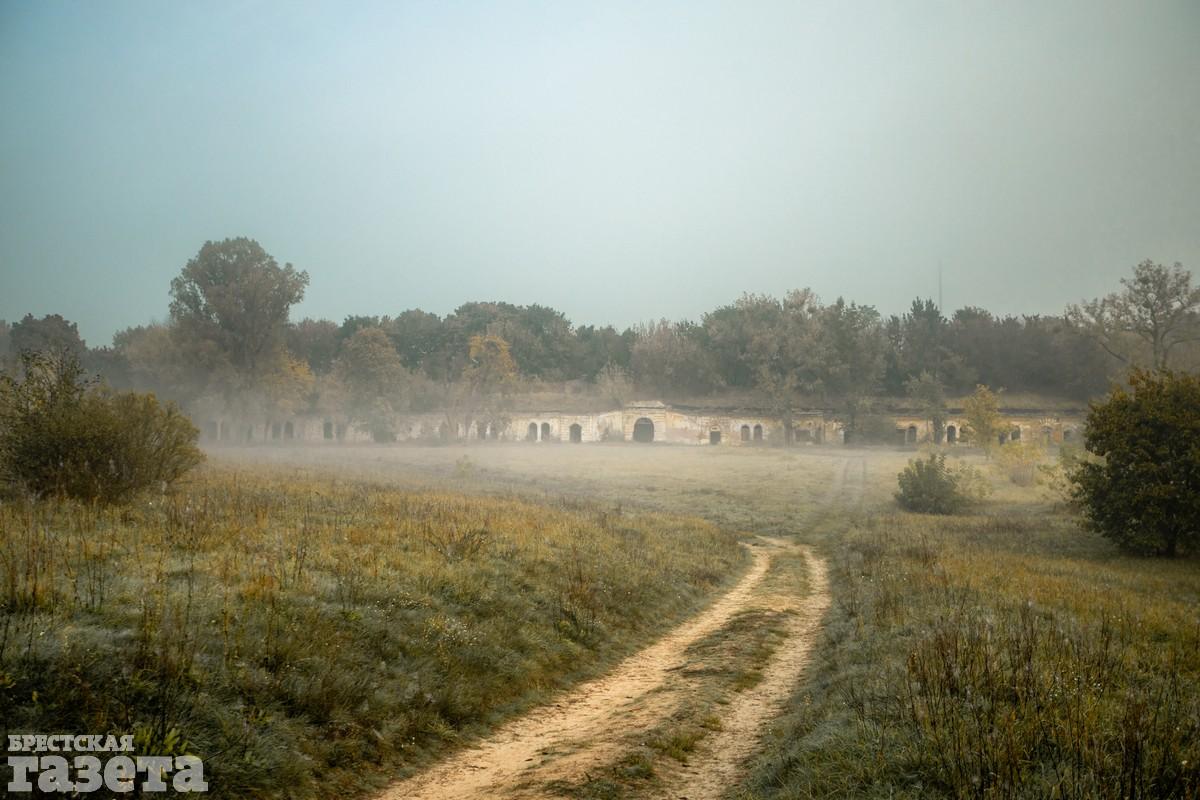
[643, 422]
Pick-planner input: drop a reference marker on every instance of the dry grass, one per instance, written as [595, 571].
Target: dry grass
[311, 636]
[997, 654]
[1003, 654]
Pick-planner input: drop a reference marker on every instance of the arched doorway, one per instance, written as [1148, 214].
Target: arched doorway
[745, 433]
[910, 436]
[545, 431]
[951, 434]
[327, 430]
[576, 431]
[714, 437]
[289, 430]
[276, 429]
[1068, 435]
[758, 433]
[643, 430]
[481, 431]
[1016, 434]
[531, 434]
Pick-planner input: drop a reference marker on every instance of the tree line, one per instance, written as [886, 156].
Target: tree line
[229, 342]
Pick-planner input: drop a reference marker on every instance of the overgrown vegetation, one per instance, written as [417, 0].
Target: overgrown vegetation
[928, 486]
[62, 435]
[1143, 491]
[308, 636]
[229, 348]
[1001, 654]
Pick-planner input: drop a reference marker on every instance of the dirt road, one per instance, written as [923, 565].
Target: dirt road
[590, 727]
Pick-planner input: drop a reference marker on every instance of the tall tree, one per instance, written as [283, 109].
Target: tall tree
[920, 342]
[1157, 307]
[850, 359]
[374, 380]
[781, 350]
[670, 358]
[418, 336]
[235, 295]
[487, 381]
[930, 397]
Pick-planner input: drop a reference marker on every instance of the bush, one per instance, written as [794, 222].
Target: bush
[1143, 492]
[928, 486]
[1019, 462]
[60, 434]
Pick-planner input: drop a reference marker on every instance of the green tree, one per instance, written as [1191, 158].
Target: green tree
[417, 335]
[921, 341]
[982, 411]
[235, 296]
[1156, 311]
[316, 342]
[374, 380]
[927, 392]
[671, 358]
[51, 333]
[1143, 489]
[850, 361]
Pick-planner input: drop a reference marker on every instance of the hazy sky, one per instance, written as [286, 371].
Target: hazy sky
[616, 161]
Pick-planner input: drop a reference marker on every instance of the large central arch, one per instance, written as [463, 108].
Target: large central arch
[643, 430]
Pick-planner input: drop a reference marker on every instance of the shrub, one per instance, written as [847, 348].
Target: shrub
[928, 486]
[1144, 490]
[60, 434]
[1018, 461]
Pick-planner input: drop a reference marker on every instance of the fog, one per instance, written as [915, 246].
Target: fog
[619, 163]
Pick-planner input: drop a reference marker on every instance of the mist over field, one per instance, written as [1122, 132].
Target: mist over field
[656, 400]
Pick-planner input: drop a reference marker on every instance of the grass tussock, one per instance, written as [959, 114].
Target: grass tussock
[990, 656]
[311, 637]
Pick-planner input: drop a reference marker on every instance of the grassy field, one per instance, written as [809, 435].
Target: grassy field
[311, 636]
[271, 610]
[1003, 652]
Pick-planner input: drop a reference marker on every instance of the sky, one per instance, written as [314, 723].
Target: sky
[617, 161]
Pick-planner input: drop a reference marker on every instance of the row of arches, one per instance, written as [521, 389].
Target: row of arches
[222, 431]
[544, 433]
[754, 434]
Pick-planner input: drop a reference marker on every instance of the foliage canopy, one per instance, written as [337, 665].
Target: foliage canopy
[1143, 492]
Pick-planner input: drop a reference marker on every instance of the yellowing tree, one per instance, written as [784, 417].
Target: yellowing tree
[982, 410]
